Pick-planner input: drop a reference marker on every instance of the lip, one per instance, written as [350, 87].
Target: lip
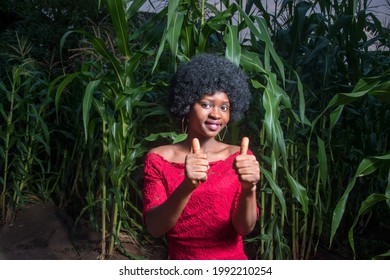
[212, 125]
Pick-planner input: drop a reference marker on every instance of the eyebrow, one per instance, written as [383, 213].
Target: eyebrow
[209, 98]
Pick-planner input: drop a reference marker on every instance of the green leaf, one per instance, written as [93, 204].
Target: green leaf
[335, 115]
[134, 8]
[120, 101]
[365, 207]
[233, 47]
[262, 34]
[172, 10]
[299, 193]
[267, 40]
[251, 62]
[63, 39]
[302, 104]
[322, 159]
[346, 98]
[340, 208]
[384, 255]
[173, 136]
[219, 22]
[118, 17]
[40, 139]
[87, 101]
[369, 165]
[275, 187]
[173, 33]
[66, 81]
[382, 92]
[153, 36]
[101, 48]
[321, 44]
[155, 20]
[366, 167]
[187, 42]
[272, 97]
[362, 88]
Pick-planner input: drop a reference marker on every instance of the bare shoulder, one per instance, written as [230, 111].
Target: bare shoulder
[233, 149]
[171, 152]
[161, 150]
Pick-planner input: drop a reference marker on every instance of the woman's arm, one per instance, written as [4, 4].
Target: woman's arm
[160, 219]
[248, 170]
[245, 214]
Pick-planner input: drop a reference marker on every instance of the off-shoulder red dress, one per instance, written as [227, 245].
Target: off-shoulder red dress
[204, 229]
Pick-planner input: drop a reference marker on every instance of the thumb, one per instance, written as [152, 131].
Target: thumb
[195, 146]
[244, 145]
[195, 150]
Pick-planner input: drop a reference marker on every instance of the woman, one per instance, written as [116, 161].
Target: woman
[201, 192]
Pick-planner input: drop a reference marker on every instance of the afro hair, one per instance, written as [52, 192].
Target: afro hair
[208, 74]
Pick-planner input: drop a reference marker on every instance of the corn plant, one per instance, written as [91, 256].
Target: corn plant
[295, 143]
[298, 121]
[313, 47]
[25, 151]
[117, 103]
[375, 86]
[193, 34]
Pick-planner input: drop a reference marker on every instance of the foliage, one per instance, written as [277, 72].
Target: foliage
[318, 120]
[25, 110]
[117, 102]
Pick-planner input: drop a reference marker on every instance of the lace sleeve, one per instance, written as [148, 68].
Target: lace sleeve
[154, 192]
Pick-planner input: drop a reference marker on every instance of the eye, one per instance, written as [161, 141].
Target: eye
[205, 105]
[224, 108]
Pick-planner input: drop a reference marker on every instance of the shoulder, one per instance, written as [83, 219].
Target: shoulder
[171, 153]
[234, 149]
[161, 150]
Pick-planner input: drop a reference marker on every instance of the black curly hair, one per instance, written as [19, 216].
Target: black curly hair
[207, 74]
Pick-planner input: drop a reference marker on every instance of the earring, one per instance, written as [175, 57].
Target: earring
[184, 125]
[224, 134]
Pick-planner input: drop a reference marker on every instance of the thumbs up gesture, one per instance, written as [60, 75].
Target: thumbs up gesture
[196, 164]
[247, 167]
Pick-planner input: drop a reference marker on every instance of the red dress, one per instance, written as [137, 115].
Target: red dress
[204, 229]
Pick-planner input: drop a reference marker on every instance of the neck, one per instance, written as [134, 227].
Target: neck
[206, 144]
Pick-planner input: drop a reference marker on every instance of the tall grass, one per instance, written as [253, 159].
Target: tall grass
[318, 120]
[25, 110]
[117, 102]
[297, 150]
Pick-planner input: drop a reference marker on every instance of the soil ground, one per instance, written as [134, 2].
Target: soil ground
[43, 232]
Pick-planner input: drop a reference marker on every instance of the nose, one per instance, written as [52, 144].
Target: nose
[215, 113]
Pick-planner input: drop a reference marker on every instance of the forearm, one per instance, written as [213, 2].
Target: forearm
[245, 215]
[162, 218]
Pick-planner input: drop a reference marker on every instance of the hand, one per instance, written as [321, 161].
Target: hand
[196, 164]
[247, 167]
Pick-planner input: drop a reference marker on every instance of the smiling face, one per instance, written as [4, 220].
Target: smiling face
[209, 115]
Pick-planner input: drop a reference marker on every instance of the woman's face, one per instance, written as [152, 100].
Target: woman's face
[209, 115]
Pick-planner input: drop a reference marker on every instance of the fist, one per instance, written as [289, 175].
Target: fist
[247, 167]
[196, 164]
